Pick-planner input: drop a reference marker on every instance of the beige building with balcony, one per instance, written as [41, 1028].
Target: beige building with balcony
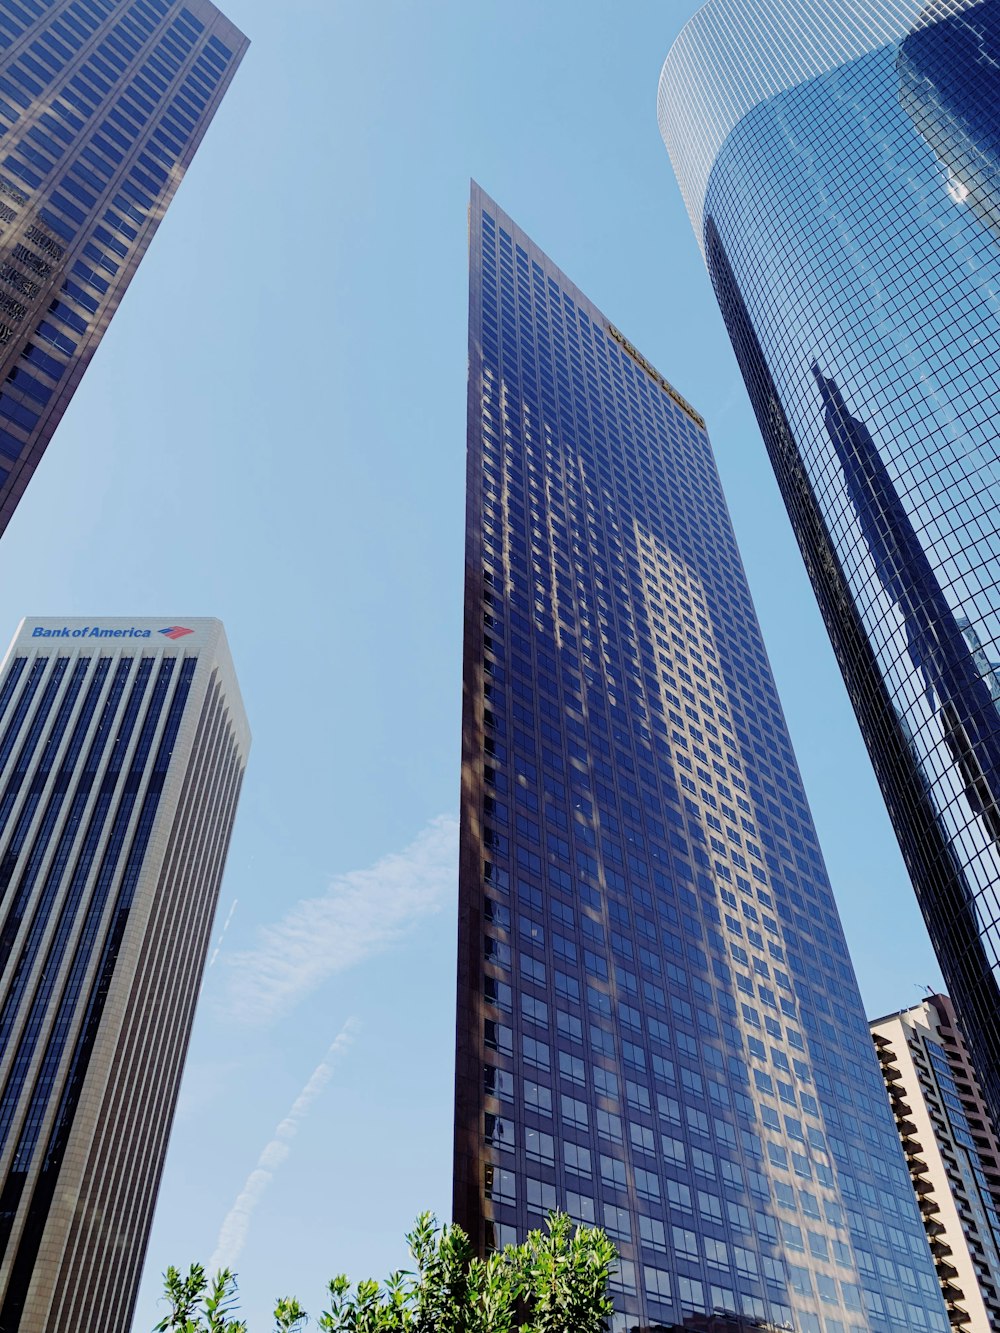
[952, 1153]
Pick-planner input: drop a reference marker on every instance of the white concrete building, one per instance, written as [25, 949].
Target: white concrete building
[122, 749]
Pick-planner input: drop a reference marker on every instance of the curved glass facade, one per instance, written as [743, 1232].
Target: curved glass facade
[850, 219]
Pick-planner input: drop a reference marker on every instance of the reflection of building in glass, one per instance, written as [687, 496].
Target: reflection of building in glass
[990, 671]
[103, 104]
[122, 748]
[818, 147]
[937, 647]
[716, 1324]
[942, 1121]
[659, 1027]
[949, 77]
[970, 1095]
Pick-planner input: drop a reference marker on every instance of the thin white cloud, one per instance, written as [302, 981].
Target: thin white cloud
[234, 1230]
[222, 932]
[361, 914]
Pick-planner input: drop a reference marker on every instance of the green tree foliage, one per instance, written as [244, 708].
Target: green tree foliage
[200, 1306]
[555, 1282]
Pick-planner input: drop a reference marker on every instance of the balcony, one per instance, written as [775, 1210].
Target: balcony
[958, 1318]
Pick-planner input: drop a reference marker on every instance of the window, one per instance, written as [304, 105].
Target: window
[657, 1284]
[580, 1207]
[642, 1138]
[673, 1150]
[499, 1132]
[609, 1126]
[574, 1112]
[647, 1185]
[827, 1288]
[577, 1158]
[818, 1246]
[710, 1206]
[539, 1147]
[792, 1235]
[746, 1261]
[540, 1195]
[612, 1171]
[497, 1082]
[685, 1243]
[535, 1052]
[617, 1222]
[538, 1098]
[800, 1282]
[605, 1082]
[500, 1186]
[498, 1037]
[679, 1195]
[691, 1294]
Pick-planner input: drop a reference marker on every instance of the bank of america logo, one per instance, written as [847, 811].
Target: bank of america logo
[176, 631]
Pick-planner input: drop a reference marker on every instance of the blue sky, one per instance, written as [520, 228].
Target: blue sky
[273, 432]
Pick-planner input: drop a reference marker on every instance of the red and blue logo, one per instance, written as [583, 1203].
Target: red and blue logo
[176, 631]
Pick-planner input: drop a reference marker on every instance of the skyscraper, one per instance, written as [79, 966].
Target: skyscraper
[658, 1023]
[942, 1122]
[122, 748]
[102, 106]
[840, 165]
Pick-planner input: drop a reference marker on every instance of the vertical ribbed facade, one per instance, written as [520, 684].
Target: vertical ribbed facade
[102, 106]
[841, 164]
[122, 749]
[659, 1028]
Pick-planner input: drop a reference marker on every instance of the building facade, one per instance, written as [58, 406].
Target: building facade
[970, 1092]
[659, 1028]
[925, 1065]
[122, 748]
[102, 106]
[840, 165]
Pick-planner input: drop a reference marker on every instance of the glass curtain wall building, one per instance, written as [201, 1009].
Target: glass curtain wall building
[659, 1028]
[102, 106]
[122, 748]
[840, 165]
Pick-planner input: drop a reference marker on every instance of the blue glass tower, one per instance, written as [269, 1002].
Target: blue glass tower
[102, 106]
[658, 1024]
[841, 164]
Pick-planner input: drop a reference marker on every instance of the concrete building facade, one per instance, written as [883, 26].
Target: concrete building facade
[122, 749]
[924, 1065]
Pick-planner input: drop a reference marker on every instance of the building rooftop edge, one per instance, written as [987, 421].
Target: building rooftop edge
[111, 632]
[908, 1009]
[477, 193]
[734, 55]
